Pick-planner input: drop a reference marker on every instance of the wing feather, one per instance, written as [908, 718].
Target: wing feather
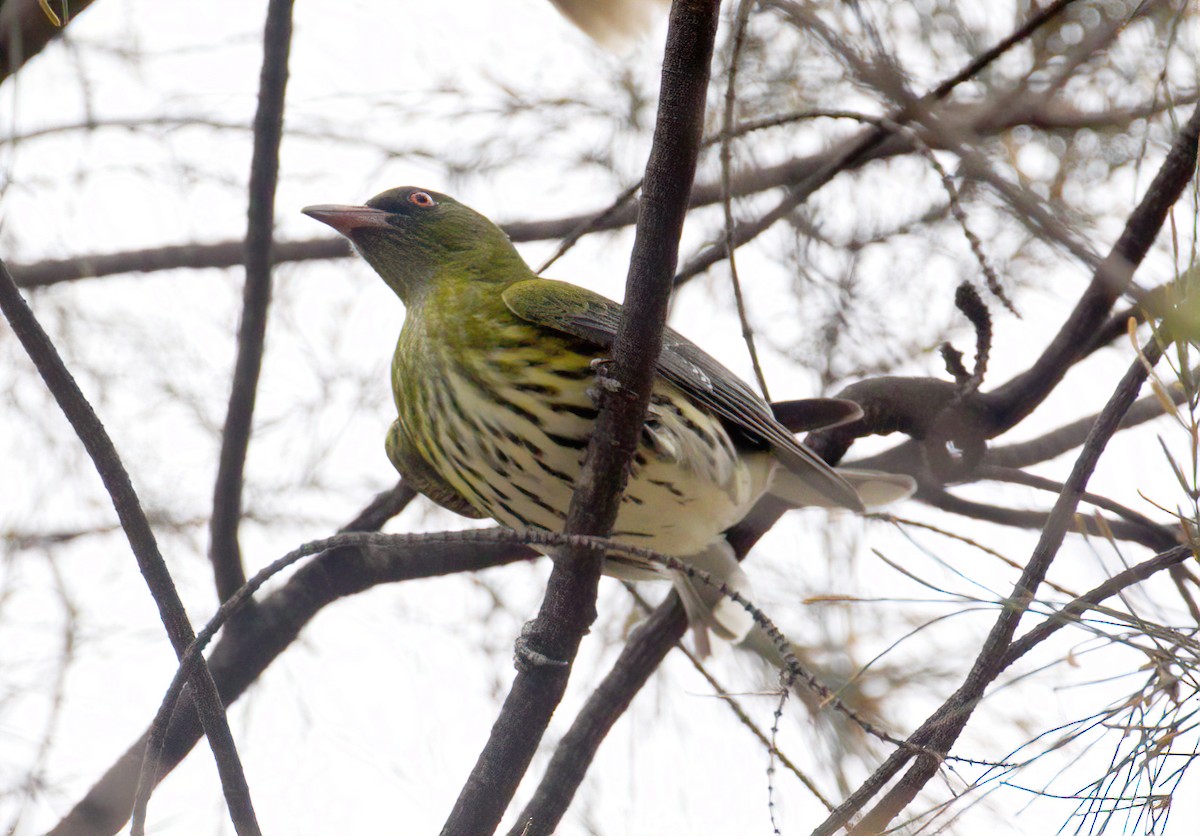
[591, 317]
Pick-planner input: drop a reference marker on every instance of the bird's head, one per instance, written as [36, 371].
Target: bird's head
[416, 238]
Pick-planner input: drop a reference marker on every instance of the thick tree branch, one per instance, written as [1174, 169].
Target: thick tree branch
[569, 606]
[1014, 400]
[1148, 534]
[641, 656]
[943, 417]
[639, 659]
[25, 29]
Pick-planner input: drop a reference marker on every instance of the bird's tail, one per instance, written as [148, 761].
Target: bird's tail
[875, 487]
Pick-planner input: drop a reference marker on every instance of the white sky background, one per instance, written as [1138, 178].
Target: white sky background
[371, 722]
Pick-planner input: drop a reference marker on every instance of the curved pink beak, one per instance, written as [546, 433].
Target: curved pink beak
[346, 219]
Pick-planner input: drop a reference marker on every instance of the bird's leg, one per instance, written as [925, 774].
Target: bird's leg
[657, 435]
[525, 657]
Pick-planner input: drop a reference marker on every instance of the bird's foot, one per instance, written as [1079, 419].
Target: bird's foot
[604, 383]
[525, 657]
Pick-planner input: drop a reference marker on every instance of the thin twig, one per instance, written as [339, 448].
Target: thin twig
[1163, 535]
[1014, 400]
[943, 727]
[1070, 613]
[739, 37]
[593, 223]
[863, 146]
[620, 213]
[744, 718]
[224, 551]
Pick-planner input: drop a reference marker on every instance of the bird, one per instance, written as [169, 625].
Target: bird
[611, 23]
[494, 378]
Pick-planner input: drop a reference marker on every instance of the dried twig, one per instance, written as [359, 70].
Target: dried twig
[141, 540]
[224, 551]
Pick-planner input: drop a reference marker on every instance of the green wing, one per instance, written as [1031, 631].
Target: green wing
[592, 317]
[418, 473]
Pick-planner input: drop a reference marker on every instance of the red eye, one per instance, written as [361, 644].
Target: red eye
[421, 199]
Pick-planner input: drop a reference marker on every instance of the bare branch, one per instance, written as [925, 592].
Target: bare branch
[1152, 536]
[739, 36]
[641, 656]
[191, 256]
[943, 727]
[224, 551]
[1069, 614]
[863, 146]
[929, 410]
[141, 540]
[241, 656]
[1069, 436]
[982, 118]
[1015, 399]
[569, 605]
